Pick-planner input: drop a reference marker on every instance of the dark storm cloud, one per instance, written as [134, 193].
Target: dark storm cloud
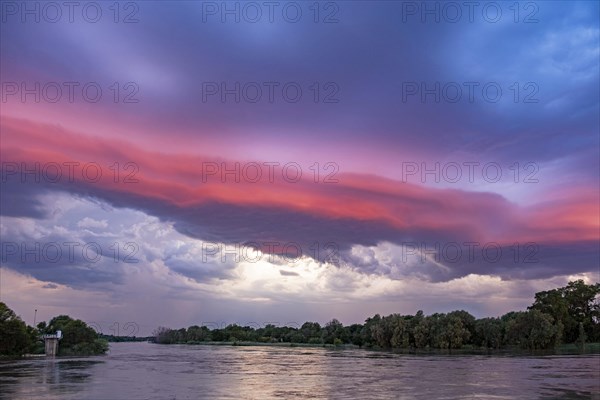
[369, 54]
[319, 237]
[18, 200]
[50, 286]
[80, 262]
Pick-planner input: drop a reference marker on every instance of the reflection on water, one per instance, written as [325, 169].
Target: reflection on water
[44, 377]
[148, 371]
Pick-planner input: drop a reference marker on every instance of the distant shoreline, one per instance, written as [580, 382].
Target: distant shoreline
[564, 349]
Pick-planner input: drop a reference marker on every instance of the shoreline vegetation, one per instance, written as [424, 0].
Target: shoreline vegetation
[565, 348]
[565, 319]
[20, 340]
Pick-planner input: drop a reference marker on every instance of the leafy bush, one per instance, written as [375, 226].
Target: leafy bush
[15, 339]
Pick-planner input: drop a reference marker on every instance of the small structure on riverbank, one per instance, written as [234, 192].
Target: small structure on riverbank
[51, 343]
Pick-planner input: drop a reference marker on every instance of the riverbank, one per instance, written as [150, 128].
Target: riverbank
[564, 349]
[21, 357]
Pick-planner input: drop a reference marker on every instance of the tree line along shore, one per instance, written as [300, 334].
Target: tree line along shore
[566, 315]
[17, 338]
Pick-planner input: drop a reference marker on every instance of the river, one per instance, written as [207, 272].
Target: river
[149, 371]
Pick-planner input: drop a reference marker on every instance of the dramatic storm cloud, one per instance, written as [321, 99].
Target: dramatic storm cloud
[363, 157]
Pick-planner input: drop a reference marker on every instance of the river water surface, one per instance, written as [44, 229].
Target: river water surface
[149, 371]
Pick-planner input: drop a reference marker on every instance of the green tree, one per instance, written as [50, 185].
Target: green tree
[382, 331]
[163, 335]
[488, 332]
[572, 305]
[367, 331]
[400, 332]
[356, 334]
[422, 331]
[334, 330]
[438, 332]
[533, 329]
[78, 337]
[583, 307]
[460, 326]
[198, 333]
[457, 332]
[582, 337]
[311, 331]
[15, 339]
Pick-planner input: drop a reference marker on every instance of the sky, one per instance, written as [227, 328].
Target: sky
[181, 163]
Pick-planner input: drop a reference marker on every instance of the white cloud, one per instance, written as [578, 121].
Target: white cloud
[88, 222]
